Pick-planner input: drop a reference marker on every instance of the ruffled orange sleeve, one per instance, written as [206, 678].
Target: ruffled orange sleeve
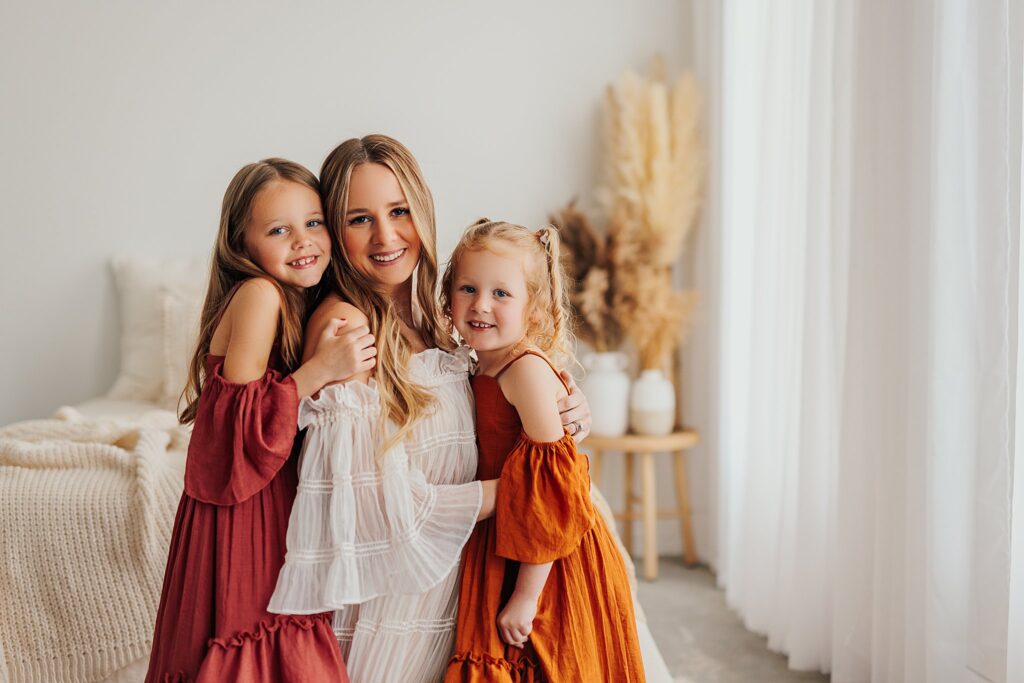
[543, 505]
[243, 435]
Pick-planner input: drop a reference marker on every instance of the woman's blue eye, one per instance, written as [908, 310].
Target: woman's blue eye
[400, 211]
[468, 289]
[315, 223]
[359, 220]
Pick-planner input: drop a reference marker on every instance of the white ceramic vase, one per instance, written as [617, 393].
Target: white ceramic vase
[606, 387]
[652, 404]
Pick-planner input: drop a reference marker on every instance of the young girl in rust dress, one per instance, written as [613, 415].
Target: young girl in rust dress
[544, 592]
[245, 383]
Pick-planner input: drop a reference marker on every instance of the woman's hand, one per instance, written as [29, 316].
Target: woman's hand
[515, 622]
[575, 410]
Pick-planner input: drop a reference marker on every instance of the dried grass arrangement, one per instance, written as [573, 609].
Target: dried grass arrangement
[653, 180]
[585, 258]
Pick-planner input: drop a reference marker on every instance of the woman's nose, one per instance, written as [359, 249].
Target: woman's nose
[384, 232]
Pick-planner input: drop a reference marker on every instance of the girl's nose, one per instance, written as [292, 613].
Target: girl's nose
[301, 239]
[482, 303]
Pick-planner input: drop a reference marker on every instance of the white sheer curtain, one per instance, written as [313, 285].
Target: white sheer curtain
[866, 207]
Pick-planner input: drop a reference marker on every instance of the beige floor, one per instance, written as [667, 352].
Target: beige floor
[702, 640]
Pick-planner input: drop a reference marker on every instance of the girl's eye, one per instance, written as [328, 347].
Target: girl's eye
[315, 223]
[501, 293]
[279, 230]
[400, 211]
[359, 220]
[468, 289]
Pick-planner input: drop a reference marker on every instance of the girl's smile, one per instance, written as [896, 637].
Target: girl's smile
[286, 235]
[489, 302]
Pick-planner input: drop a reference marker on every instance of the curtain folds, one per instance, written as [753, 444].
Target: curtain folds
[866, 203]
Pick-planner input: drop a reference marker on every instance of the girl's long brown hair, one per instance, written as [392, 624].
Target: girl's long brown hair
[230, 266]
[404, 402]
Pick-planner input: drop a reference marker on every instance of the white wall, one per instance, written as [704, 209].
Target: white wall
[122, 122]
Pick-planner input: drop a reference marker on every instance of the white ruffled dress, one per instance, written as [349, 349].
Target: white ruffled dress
[379, 539]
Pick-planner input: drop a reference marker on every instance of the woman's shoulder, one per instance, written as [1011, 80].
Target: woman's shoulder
[333, 306]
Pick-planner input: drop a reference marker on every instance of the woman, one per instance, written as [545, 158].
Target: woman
[386, 494]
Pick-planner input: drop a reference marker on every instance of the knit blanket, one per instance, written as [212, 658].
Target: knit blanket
[86, 509]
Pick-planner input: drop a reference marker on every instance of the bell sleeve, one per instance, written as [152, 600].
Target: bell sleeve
[543, 505]
[242, 436]
[365, 523]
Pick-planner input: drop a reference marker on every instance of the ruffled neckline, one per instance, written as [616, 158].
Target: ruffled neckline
[430, 367]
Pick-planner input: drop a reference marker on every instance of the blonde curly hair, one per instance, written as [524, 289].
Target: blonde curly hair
[549, 320]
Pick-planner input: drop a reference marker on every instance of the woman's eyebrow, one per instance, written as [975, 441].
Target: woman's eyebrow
[392, 205]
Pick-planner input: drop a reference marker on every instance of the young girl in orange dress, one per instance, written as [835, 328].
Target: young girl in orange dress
[245, 383]
[544, 592]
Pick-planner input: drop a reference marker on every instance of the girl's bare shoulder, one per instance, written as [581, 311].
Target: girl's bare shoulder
[252, 311]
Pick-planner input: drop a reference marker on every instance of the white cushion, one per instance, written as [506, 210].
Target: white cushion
[142, 283]
[181, 313]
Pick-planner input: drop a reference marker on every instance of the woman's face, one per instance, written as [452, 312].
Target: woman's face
[378, 233]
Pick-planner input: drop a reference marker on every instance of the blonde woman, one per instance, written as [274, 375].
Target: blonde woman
[387, 497]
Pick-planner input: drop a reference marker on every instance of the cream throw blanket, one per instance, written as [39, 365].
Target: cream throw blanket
[86, 509]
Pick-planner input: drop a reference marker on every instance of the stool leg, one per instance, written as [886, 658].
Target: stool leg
[683, 507]
[595, 467]
[649, 502]
[630, 477]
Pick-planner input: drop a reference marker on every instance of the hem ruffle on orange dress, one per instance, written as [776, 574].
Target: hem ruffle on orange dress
[228, 546]
[585, 628]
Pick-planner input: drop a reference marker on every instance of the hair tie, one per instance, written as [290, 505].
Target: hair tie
[544, 236]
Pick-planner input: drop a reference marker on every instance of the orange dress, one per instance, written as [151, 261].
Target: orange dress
[585, 628]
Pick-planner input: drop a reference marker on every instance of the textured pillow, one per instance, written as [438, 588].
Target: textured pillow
[141, 285]
[181, 313]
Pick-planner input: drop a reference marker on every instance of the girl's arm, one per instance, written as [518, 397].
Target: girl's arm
[534, 390]
[253, 315]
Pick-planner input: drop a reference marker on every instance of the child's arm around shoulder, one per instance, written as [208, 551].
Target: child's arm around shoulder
[530, 385]
[253, 314]
[355, 333]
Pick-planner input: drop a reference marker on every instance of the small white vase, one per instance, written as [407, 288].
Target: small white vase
[606, 387]
[652, 404]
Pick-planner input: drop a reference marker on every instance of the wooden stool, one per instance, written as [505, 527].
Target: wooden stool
[632, 446]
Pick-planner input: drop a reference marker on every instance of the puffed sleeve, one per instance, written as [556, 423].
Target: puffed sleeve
[367, 523]
[543, 505]
[242, 436]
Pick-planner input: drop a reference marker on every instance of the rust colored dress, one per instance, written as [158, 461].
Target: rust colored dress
[585, 629]
[228, 545]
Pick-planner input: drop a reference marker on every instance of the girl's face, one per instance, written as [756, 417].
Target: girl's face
[379, 236]
[490, 300]
[286, 235]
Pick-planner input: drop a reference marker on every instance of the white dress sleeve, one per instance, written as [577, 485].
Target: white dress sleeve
[362, 525]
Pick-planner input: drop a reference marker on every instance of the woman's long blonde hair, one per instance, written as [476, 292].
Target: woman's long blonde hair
[404, 402]
[549, 320]
[230, 266]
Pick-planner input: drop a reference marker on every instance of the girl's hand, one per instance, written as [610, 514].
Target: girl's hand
[575, 410]
[515, 622]
[345, 353]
